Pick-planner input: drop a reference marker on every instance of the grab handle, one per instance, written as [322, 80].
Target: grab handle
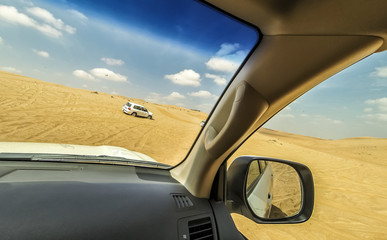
[248, 105]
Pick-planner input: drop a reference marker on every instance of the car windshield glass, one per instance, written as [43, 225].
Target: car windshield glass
[68, 68]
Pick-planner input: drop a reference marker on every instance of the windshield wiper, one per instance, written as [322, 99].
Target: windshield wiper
[104, 159]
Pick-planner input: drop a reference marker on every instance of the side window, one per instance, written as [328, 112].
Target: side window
[339, 130]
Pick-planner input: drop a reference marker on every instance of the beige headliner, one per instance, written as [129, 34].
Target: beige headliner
[312, 17]
[304, 43]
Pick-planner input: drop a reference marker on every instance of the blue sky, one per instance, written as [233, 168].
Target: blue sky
[162, 57]
[352, 103]
[174, 57]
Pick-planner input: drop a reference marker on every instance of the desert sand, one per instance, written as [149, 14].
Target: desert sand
[37, 111]
[350, 175]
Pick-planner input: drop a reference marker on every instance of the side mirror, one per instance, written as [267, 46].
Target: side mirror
[268, 190]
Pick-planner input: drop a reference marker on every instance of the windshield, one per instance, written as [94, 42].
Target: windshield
[68, 70]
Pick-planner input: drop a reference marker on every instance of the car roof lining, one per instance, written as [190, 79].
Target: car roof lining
[311, 18]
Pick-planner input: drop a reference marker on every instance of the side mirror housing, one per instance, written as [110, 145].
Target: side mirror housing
[268, 190]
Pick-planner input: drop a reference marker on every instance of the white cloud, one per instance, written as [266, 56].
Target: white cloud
[49, 18]
[381, 72]
[10, 69]
[220, 81]
[112, 61]
[154, 97]
[84, 85]
[84, 75]
[321, 119]
[41, 53]
[114, 93]
[227, 59]
[222, 64]
[201, 93]
[382, 117]
[337, 121]
[12, 15]
[1, 40]
[107, 74]
[158, 98]
[186, 77]
[100, 73]
[313, 119]
[49, 31]
[227, 48]
[380, 103]
[217, 79]
[78, 14]
[285, 115]
[174, 96]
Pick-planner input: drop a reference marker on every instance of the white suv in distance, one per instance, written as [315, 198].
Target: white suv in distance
[136, 110]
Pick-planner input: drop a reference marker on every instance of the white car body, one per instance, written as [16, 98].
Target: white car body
[260, 197]
[136, 110]
[71, 149]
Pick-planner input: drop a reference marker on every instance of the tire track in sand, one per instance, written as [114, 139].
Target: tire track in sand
[45, 132]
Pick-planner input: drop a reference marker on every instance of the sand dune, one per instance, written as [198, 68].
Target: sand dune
[350, 174]
[37, 111]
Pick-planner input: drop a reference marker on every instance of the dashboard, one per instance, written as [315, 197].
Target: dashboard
[50, 200]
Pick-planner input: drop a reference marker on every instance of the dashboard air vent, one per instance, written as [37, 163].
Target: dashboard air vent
[200, 229]
[182, 201]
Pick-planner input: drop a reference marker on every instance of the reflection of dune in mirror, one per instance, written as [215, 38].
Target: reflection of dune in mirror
[253, 174]
[286, 191]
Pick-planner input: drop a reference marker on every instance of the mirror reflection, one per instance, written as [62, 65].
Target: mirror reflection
[273, 189]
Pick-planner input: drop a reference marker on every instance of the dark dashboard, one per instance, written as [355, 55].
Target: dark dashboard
[43, 200]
